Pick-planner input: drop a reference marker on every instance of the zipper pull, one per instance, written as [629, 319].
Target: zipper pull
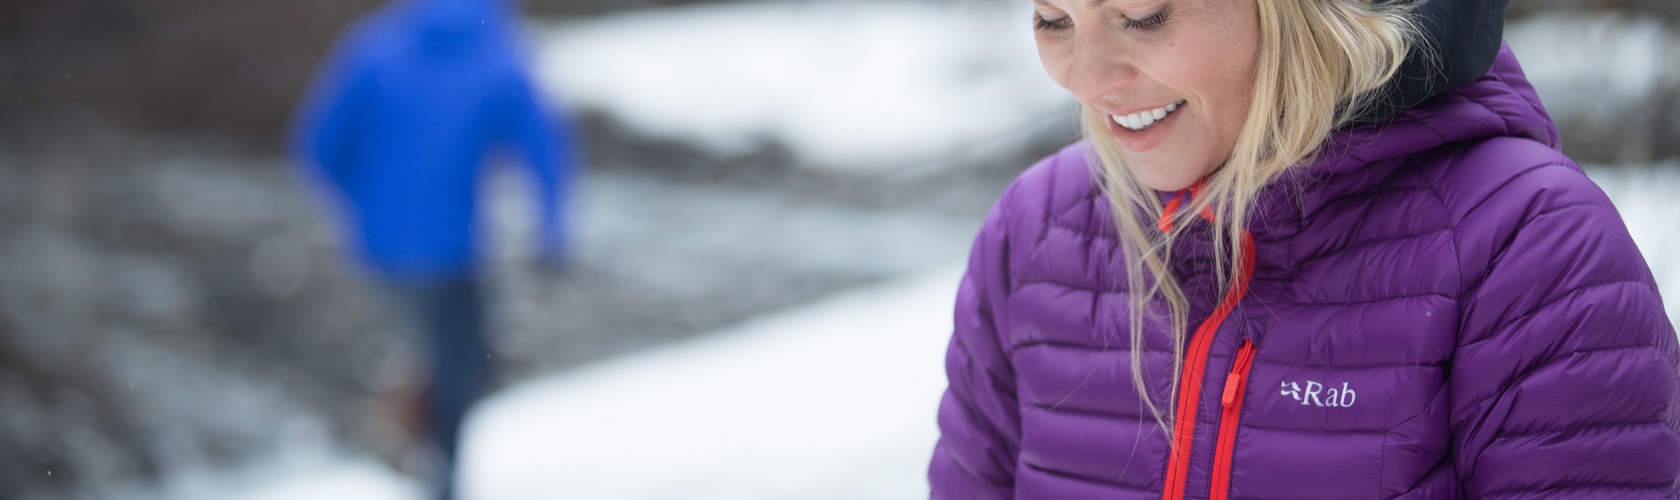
[1239, 371]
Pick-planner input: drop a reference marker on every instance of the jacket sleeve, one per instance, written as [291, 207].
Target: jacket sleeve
[1564, 381]
[979, 420]
[545, 145]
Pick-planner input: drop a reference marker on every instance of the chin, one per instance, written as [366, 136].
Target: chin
[1166, 178]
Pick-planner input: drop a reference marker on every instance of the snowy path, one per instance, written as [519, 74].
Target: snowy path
[831, 400]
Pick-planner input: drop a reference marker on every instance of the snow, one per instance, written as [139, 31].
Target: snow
[729, 227]
[1595, 65]
[831, 400]
[835, 399]
[345, 479]
[319, 477]
[855, 86]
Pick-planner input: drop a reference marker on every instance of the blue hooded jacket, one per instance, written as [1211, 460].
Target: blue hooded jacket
[402, 119]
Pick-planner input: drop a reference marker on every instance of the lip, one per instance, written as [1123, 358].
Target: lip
[1138, 141]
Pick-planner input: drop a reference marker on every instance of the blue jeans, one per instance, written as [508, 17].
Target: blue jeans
[450, 315]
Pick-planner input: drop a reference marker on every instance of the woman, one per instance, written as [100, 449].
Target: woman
[1275, 269]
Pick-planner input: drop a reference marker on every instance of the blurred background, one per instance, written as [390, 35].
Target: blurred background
[773, 206]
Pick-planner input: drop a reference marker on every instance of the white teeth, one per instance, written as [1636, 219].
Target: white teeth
[1145, 119]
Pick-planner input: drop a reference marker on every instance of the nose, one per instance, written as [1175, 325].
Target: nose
[1100, 68]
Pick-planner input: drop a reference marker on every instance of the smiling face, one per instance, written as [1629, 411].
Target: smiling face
[1174, 77]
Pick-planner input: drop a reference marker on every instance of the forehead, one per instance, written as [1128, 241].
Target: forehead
[1090, 4]
[1095, 4]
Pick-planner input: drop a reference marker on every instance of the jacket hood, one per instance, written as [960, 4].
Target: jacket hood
[1499, 103]
[1460, 40]
[443, 28]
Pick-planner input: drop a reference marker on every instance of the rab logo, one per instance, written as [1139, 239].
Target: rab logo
[1311, 394]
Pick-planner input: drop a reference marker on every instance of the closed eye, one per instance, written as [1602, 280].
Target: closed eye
[1146, 23]
[1041, 23]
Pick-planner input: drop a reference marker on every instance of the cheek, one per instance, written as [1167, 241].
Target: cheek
[1236, 89]
[1229, 78]
[1221, 79]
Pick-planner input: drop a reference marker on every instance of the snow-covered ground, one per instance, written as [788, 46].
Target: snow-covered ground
[833, 400]
[854, 86]
[320, 476]
[830, 400]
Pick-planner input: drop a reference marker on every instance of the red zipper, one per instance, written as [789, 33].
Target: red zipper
[1190, 385]
[1236, 384]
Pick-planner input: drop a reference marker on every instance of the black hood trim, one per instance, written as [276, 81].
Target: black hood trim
[1460, 40]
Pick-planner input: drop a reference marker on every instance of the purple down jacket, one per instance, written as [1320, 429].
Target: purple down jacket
[1442, 306]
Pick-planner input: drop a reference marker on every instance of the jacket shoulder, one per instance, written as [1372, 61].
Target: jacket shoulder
[1531, 229]
[1506, 173]
[1052, 227]
[1058, 191]
[1512, 197]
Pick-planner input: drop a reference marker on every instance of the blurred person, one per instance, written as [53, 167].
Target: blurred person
[414, 100]
[1307, 249]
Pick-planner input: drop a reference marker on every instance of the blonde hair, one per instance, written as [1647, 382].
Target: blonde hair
[1320, 63]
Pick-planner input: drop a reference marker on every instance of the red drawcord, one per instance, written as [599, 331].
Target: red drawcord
[1171, 208]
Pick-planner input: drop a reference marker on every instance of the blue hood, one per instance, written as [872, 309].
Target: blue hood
[443, 28]
[402, 118]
